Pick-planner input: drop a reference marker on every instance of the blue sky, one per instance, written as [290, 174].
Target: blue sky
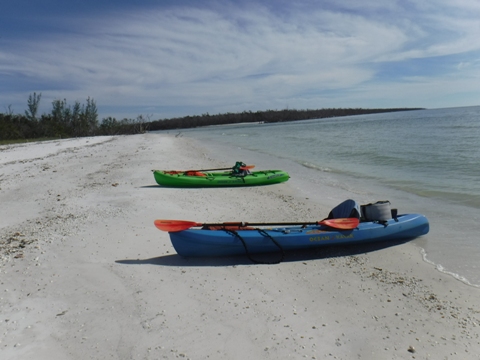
[164, 59]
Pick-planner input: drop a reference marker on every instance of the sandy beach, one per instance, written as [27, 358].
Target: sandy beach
[84, 274]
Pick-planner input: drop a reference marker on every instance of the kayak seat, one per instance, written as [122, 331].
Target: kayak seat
[347, 209]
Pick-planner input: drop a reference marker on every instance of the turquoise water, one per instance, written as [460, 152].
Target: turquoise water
[426, 161]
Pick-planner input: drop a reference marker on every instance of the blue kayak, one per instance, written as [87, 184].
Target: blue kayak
[231, 241]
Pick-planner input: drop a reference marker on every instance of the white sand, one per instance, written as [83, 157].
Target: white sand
[85, 275]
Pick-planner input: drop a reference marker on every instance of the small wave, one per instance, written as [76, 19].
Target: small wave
[460, 198]
[315, 167]
[445, 271]
[236, 135]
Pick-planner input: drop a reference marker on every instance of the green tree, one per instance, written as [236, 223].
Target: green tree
[75, 121]
[91, 115]
[109, 126]
[33, 102]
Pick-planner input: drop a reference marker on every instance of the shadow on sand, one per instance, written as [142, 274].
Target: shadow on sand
[272, 258]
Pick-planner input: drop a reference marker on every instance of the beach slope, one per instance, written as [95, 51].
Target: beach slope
[84, 274]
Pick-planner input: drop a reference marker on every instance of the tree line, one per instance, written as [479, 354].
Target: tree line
[64, 121]
[81, 120]
[268, 116]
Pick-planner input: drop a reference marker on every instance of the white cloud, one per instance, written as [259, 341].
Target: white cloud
[223, 58]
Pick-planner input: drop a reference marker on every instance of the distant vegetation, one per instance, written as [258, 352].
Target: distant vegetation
[64, 121]
[268, 116]
[79, 120]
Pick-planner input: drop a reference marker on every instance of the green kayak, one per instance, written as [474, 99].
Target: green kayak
[217, 179]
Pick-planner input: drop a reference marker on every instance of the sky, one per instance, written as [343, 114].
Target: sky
[173, 58]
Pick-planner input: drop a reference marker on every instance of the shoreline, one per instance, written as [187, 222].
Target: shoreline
[451, 242]
[233, 124]
[87, 274]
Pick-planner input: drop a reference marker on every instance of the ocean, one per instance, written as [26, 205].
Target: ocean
[423, 161]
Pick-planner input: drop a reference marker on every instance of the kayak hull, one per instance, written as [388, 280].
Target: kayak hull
[204, 242]
[219, 179]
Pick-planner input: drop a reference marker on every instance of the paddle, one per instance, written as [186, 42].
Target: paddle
[242, 168]
[180, 225]
[247, 167]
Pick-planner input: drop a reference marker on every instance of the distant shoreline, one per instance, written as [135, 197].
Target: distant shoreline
[22, 127]
[242, 123]
[269, 116]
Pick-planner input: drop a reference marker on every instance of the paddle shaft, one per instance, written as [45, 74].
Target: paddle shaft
[229, 168]
[211, 169]
[239, 223]
[180, 225]
[243, 168]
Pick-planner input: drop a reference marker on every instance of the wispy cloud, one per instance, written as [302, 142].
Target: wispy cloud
[185, 59]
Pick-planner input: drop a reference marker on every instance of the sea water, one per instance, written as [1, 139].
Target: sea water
[423, 161]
